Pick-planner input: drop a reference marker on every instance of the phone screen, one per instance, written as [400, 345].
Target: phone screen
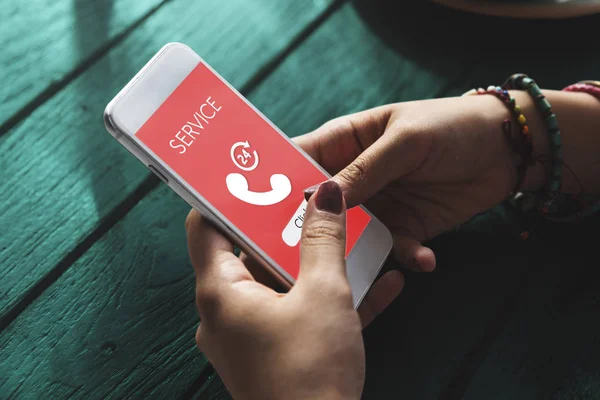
[226, 152]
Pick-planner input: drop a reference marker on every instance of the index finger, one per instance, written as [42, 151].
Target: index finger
[212, 256]
[338, 142]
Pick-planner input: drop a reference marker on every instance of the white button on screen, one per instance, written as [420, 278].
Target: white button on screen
[293, 230]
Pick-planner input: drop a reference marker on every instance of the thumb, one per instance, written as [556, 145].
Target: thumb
[367, 174]
[394, 155]
[323, 241]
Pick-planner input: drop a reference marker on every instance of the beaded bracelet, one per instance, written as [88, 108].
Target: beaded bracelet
[589, 87]
[592, 88]
[548, 200]
[522, 144]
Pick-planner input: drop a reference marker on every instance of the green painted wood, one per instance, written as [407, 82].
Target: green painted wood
[119, 323]
[550, 347]
[145, 280]
[43, 42]
[56, 188]
[415, 347]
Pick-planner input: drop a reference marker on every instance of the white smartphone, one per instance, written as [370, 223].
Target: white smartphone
[223, 157]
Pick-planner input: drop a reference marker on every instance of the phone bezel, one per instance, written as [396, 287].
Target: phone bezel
[373, 246]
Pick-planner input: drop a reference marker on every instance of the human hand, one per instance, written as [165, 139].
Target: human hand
[422, 167]
[306, 343]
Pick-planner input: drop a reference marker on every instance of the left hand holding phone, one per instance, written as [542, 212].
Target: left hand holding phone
[303, 344]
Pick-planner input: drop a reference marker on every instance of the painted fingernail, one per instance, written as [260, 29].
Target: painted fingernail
[329, 198]
[308, 192]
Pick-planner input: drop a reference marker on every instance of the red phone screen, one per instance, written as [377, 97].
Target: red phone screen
[239, 163]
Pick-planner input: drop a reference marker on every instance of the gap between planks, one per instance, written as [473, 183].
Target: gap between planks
[151, 182]
[468, 366]
[57, 86]
[475, 356]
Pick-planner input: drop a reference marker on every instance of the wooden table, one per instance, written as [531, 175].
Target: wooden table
[96, 290]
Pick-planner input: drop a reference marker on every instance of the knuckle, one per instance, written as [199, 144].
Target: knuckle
[205, 340]
[200, 338]
[208, 302]
[334, 126]
[193, 219]
[341, 289]
[357, 171]
[324, 232]
[330, 289]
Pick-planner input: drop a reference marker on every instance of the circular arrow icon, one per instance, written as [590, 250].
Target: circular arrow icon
[242, 160]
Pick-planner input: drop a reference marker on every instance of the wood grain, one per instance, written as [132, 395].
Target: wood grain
[136, 281]
[56, 188]
[415, 347]
[44, 42]
[550, 346]
[119, 323]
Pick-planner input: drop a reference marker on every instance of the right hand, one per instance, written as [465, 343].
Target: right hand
[422, 167]
[305, 344]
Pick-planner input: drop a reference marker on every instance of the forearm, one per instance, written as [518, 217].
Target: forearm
[578, 116]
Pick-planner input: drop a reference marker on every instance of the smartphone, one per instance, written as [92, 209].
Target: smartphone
[203, 139]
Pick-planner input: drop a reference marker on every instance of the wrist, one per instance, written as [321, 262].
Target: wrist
[578, 116]
[494, 113]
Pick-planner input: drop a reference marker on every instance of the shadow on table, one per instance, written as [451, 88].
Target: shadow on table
[499, 318]
[449, 333]
[554, 52]
[101, 81]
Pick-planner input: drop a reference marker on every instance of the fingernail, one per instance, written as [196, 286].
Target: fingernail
[308, 192]
[329, 198]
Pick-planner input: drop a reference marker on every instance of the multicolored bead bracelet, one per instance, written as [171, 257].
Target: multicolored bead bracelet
[522, 144]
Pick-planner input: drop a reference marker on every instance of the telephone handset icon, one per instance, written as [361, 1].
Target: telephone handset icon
[237, 184]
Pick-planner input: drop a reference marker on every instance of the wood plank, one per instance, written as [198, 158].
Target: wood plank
[415, 347]
[119, 323]
[151, 274]
[550, 347]
[31, 64]
[57, 188]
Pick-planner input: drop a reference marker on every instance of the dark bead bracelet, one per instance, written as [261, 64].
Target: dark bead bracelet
[547, 200]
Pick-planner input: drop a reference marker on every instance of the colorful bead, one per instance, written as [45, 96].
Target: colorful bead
[545, 209]
[521, 143]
